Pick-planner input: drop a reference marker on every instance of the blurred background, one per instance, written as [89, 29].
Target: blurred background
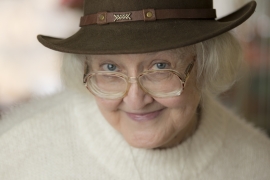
[29, 70]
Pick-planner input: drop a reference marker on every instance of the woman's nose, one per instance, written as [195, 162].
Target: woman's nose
[136, 98]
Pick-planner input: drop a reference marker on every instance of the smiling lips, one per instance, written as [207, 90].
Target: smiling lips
[144, 116]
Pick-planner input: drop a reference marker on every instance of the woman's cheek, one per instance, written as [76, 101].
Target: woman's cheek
[107, 104]
[171, 102]
[109, 109]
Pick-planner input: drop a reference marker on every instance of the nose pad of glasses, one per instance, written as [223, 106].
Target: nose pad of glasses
[132, 80]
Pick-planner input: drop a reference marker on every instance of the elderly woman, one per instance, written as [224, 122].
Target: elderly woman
[139, 101]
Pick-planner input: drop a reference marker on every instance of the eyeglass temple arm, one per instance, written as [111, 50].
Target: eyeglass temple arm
[188, 70]
[189, 67]
[86, 68]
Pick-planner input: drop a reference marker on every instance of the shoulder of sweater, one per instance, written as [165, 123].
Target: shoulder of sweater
[240, 127]
[251, 142]
[237, 125]
[243, 143]
[44, 107]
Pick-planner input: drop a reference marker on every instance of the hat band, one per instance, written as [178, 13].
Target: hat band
[147, 15]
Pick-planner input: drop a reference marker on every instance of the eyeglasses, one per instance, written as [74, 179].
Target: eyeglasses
[157, 83]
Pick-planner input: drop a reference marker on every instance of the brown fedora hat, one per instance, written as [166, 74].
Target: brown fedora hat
[135, 26]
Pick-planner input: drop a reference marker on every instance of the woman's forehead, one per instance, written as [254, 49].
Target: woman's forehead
[175, 54]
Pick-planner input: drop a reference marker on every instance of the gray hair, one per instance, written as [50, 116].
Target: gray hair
[218, 63]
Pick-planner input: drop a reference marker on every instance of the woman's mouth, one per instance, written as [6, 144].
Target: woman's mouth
[144, 116]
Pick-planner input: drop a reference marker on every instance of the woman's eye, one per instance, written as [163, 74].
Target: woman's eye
[160, 66]
[110, 67]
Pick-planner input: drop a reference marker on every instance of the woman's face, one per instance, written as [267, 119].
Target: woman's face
[145, 121]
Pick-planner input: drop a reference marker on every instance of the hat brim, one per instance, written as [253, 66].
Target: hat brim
[143, 37]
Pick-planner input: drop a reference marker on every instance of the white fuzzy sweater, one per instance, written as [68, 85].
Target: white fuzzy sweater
[64, 137]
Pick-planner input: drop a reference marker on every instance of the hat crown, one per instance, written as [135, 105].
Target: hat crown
[94, 6]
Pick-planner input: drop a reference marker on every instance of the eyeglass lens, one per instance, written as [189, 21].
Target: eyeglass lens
[162, 83]
[159, 84]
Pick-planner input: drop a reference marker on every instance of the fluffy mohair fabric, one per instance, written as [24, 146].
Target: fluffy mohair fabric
[64, 137]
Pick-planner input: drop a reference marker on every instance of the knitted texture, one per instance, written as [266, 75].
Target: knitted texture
[66, 137]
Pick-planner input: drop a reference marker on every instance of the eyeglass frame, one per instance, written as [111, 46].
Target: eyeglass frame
[129, 79]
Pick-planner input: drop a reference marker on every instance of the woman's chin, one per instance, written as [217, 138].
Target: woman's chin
[143, 145]
[143, 142]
